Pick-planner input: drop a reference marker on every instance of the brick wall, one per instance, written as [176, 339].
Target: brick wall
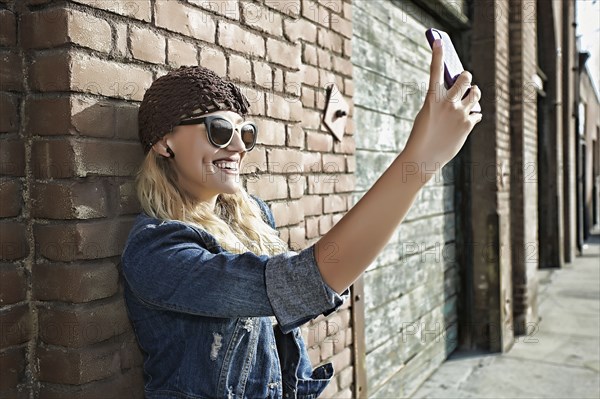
[489, 245]
[524, 162]
[73, 73]
[16, 315]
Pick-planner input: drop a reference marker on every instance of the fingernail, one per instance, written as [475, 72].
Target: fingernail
[437, 43]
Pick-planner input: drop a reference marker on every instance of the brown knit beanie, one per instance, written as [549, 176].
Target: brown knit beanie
[184, 92]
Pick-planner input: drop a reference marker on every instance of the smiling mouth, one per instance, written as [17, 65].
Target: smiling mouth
[230, 167]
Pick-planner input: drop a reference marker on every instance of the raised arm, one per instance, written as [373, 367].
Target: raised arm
[439, 131]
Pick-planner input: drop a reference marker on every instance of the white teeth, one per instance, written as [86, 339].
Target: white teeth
[226, 165]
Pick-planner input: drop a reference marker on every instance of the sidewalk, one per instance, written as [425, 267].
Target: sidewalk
[565, 360]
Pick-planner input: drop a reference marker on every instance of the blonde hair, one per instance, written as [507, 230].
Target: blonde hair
[236, 222]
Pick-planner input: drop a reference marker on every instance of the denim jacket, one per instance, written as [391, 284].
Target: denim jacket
[214, 324]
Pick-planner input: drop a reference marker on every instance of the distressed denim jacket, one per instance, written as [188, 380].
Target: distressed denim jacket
[214, 324]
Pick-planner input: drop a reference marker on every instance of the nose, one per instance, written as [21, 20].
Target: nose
[237, 144]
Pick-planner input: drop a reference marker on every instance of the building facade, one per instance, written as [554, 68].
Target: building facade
[458, 274]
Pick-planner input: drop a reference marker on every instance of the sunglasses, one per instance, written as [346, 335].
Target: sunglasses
[220, 130]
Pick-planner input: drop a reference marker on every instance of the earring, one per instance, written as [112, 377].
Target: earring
[170, 151]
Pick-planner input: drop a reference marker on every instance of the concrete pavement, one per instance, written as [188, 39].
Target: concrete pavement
[562, 359]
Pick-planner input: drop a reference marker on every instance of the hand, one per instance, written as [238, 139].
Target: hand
[442, 125]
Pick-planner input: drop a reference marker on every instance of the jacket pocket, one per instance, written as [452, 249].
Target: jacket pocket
[312, 387]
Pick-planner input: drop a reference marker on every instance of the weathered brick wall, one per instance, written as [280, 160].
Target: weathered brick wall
[489, 245]
[16, 316]
[73, 75]
[411, 287]
[524, 165]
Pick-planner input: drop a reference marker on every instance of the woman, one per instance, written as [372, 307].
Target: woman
[215, 297]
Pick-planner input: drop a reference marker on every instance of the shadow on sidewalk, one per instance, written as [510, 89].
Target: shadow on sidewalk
[559, 358]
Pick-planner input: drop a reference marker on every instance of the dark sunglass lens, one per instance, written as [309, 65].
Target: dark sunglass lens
[220, 131]
[248, 135]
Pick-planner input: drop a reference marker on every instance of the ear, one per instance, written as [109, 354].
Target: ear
[160, 147]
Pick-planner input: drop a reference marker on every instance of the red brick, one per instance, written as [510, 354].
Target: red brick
[9, 115]
[186, 20]
[214, 59]
[57, 26]
[268, 186]
[346, 146]
[47, 115]
[345, 183]
[80, 366]
[293, 82]
[342, 65]
[81, 325]
[50, 71]
[74, 158]
[297, 185]
[238, 39]
[315, 12]
[296, 29]
[14, 241]
[12, 368]
[10, 198]
[288, 213]
[297, 238]
[345, 377]
[138, 9]
[334, 5]
[255, 161]
[83, 116]
[312, 228]
[8, 28]
[335, 203]
[12, 157]
[81, 240]
[226, 8]
[262, 19]
[311, 75]
[70, 200]
[284, 53]
[295, 136]
[334, 163]
[349, 334]
[312, 204]
[341, 26]
[147, 45]
[64, 70]
[339, 341]
[16, 325]
[330, 390]
[128, 201]
[92, 118]
[11, 76]
[282, 160]
[342, 359]
[100, 118]
[181, 53]
[326, 347]
[108, 78]
[13, 284]
[129, 384]
[240, 69]
[347, 8]
[263, 74]
[74, 282]
[319, 142]
[288, 7]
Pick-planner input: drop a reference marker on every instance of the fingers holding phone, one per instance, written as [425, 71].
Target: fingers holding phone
[436, 69]
[449, 113]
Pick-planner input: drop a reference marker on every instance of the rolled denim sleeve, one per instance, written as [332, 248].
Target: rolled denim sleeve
[297, 290]
[169, 265]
